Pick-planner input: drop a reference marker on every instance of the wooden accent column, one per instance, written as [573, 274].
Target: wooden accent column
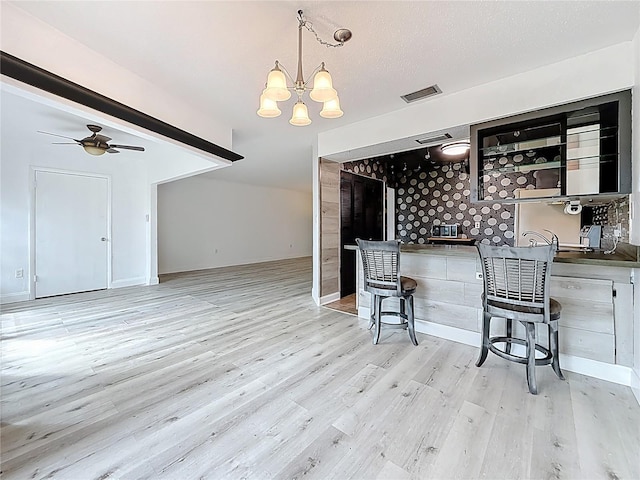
[329, 227]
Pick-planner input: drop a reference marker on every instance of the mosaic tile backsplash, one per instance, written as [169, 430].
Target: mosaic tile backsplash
[440, 194]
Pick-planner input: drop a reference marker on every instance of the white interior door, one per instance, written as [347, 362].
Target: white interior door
[71, 233]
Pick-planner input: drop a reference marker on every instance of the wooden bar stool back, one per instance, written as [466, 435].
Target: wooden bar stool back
[381, 265]
[516, 287]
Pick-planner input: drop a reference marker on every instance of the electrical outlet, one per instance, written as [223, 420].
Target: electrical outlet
[478, 225]
[617, 231]
[19, 273]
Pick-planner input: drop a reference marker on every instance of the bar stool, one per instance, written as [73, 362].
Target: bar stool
[516, 287]
[381, 265]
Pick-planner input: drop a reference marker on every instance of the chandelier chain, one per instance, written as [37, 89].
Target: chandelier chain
[309, 26]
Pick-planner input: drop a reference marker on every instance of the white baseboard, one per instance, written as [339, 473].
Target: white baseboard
[635, 385]
[592, 368]
[153, 281]
[15, 297]
[330, 298]
[128, 282]
[450, 333]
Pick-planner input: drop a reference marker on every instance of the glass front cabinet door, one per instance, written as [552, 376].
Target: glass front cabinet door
[582, 149]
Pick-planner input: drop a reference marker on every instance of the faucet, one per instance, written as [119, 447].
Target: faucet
[532, 241]
[554, 239]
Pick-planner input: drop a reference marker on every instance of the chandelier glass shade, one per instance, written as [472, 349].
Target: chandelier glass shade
[276, 86]
[268, 108]
[279, 90]
[300, 116]
[331, 109]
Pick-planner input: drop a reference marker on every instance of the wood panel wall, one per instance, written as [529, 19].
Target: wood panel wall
[329, 227]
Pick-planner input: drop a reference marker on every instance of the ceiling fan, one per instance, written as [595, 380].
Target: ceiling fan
[95, 144]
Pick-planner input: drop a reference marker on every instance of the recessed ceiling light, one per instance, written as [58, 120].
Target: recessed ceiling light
[455, 148]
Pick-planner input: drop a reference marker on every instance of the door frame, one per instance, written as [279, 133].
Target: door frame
[33, 170]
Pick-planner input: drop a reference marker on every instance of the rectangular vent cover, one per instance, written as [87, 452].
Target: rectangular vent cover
[436, 139]
[420, 94]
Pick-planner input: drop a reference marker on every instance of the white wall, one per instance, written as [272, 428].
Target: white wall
[595, 73]
[129, 207]
[206, 223]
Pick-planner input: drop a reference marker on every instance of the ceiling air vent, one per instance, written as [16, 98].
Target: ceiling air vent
[436, 139]
[420, 94]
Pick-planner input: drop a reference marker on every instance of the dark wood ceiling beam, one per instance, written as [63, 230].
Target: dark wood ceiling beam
[30, 74]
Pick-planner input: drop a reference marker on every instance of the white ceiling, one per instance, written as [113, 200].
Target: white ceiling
[216, 54]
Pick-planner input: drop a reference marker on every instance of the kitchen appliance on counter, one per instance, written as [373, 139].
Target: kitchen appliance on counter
[590, 236]
[444, 231]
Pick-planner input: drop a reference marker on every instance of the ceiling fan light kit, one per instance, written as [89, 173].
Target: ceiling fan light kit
[277, 89]
[96, 144]
[92, 150]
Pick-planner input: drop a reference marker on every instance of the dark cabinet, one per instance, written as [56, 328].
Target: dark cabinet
[361, 216]
[581, 149]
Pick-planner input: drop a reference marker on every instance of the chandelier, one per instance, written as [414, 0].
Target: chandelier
[277, 89]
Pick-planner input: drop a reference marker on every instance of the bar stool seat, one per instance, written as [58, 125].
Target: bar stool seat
[516, 287]
[381, 266]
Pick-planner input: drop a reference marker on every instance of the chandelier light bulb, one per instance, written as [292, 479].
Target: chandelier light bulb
[277, 85]
[331, 109]
[323, 90]
[268, 108]
[300, 116]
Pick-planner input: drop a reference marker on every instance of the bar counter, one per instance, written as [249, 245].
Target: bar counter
[595, 290]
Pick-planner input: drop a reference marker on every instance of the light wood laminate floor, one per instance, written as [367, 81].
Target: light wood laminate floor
[235, 373]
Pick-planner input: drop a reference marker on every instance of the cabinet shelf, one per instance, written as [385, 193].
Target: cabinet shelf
[586, 138]
[579, 147]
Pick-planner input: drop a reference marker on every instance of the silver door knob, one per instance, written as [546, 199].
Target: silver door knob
[103, 239]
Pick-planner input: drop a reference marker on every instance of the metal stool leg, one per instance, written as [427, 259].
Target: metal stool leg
[372, 310]
[410, 319]
[531, 357]
[484, 349]
[507, 347]
[553, 346]
[377, 300]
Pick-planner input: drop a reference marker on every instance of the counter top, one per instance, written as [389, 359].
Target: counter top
[625, 255]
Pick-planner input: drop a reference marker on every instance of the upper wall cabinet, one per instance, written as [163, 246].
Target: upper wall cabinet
[581, 149]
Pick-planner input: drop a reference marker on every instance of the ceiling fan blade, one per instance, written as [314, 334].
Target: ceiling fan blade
[112, 150]
[128, 147]
[102, 138]
[63, 143]
[56, 135]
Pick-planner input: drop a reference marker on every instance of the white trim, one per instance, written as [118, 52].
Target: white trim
[332, 297]
[15, 297]
[33, 171]
[129, 282]
[154, 281]
[592, 368]
[635, 385]
[450, 333]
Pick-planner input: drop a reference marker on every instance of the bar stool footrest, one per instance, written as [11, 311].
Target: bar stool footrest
[546, 360]
[402, 325]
